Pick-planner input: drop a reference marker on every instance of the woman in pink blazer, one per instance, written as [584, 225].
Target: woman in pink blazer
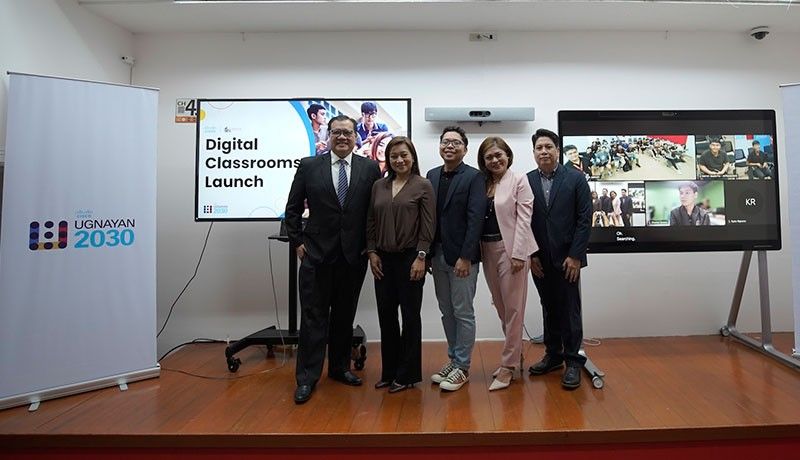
[506, 245]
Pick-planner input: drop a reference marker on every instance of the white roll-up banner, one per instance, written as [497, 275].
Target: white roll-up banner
[78, 243]
[791, 126]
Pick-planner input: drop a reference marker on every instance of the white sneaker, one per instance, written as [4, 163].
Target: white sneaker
[443, 373]
[455, 380]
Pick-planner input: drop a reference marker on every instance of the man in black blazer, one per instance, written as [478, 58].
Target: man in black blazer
[336, 187]
[626, 207]
[562, 210]
[460, 209]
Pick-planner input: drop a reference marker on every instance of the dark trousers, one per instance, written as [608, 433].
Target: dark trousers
[328, 301]
[626, 219]
[401, 352]
[561, 307]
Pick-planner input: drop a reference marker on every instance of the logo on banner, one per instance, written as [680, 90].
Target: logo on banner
[47, 237]
[90, 233]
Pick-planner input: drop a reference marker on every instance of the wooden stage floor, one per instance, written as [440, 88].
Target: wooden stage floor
[662, 389]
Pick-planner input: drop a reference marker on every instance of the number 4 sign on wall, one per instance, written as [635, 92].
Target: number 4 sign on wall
[185, 111]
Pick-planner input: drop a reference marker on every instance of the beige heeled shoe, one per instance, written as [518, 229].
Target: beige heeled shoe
[502, 379]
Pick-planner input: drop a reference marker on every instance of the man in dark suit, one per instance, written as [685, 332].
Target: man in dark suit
[626, 207]
[336, 187]
[460, 210]
[606, 205]
[562, 210]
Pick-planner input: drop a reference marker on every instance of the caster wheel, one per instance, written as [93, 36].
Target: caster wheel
[724, 331]
[597, 382]
[233, 364]
[359, 364]
[270, 351]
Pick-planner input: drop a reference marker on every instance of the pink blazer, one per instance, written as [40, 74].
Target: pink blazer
[513, 203]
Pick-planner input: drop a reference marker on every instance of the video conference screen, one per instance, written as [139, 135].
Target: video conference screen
[677, 180]
[248, 150]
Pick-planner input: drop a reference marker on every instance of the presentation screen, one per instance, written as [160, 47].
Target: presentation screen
[248, 150]
[703, 180]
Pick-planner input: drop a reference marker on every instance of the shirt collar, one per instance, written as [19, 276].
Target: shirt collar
[551, 175]
[348, 158]
[453, 172]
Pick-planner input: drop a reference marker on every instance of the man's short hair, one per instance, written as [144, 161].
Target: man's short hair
[567, 148]
[341, 118]
[313, 109]
[715, 139]
[541, 132]
[690, 185]
[369, 107]
[757, 143]
[623, 190]
[455, 129]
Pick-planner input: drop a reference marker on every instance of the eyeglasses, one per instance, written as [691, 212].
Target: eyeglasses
[453, 142]
[496, 156]
[342, 132]
[370, 114]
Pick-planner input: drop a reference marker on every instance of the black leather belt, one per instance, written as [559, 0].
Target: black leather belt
[491, 238]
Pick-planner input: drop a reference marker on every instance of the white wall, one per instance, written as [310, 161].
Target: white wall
[624, 295]
[635, 295]
[60, 38]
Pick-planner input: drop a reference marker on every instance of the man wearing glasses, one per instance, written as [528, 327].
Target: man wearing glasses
[369, 125]
[332, 248]
[460, 209]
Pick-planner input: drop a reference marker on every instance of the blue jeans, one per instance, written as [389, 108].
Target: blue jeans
[455, 296]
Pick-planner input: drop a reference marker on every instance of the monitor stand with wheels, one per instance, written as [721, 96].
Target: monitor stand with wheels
[273, 336]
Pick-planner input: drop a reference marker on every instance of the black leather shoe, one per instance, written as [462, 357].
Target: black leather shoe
[346, 377]
[572, 378]
[382, 384]
[547, 364]
[303, 393]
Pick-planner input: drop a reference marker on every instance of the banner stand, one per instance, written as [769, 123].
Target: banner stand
[729, 330]
[78, 241]
[791, 123]
[34, 398]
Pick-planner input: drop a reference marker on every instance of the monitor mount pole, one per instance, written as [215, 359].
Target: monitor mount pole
[765, 345]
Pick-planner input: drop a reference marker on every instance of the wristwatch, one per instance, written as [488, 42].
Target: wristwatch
[422, 255]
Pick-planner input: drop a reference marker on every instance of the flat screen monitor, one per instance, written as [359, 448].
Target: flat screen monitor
[248, 150]
[670, 181]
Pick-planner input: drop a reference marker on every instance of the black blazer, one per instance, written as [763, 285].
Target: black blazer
[626, 205]
[562, 228]
[331, 229]
[461, 220]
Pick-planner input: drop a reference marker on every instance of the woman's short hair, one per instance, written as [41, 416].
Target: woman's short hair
[400, 140]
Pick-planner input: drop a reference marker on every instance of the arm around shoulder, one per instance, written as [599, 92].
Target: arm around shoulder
[427, 216]
[295, 204]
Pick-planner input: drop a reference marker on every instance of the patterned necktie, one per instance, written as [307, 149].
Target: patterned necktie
[341, 193]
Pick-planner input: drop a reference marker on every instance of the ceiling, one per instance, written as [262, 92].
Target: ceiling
[164, 16]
